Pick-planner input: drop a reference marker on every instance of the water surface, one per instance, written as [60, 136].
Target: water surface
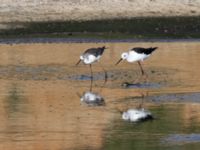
[40, 93]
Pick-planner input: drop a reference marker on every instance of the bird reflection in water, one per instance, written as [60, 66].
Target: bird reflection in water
[138, 114]
[91, 98]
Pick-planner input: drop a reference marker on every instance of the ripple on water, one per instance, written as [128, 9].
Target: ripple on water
[142, 85]
[181, 138]
[82, 77]
[176, 97]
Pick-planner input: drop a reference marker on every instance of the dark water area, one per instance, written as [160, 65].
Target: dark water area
[133, 28]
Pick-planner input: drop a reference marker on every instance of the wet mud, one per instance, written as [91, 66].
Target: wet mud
[41, 91]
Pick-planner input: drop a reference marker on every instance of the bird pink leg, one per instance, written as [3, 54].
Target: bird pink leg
[142, 71]
[105, 73]
[143, 75]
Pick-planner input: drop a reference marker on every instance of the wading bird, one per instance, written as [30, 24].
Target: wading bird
[137, 54]
[90, 56]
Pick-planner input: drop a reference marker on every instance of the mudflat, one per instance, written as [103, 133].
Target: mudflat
[48, 10]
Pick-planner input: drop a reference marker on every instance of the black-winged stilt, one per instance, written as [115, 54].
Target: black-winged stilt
[90, 56]
[137, 54]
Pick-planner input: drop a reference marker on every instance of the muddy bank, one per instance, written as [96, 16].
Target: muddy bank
[48, 10]
[49, 16]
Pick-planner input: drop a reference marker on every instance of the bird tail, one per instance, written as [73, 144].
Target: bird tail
[150, 50]
[101, 50]
[103, 47]
[153, 48]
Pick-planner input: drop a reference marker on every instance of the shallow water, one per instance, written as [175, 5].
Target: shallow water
[40, 94]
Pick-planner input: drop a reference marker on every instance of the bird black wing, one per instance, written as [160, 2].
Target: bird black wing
[95, 51]
[146, 51]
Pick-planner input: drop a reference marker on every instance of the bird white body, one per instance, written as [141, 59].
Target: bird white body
[132, 56]
[89, 58]
[135, 115]
[137, 54]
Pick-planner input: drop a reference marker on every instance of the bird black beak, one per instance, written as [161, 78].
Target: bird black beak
[78, 62]
[119, 61]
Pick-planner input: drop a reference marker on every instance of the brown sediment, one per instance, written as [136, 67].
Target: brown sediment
[48, 10]
[13, 14]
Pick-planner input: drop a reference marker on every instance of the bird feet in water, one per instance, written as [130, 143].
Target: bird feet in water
[126, 84]
[142, 79]
[137, 82]
[106, 77]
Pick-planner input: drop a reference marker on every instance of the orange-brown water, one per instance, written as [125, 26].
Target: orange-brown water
[40, 86]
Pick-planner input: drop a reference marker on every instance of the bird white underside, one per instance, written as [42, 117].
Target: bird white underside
[133, 56]
[89, 59]
[134, 115]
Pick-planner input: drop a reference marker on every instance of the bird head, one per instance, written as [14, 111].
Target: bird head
[104, 47]
[81, 58]
[123, 56]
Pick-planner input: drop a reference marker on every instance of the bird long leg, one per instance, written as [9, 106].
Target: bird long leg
[143, 75]
[105, 73]
[105, 81]
[91, 77]
[142, 71]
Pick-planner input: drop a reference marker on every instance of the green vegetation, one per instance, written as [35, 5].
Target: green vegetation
[153, 135]
[163, 27]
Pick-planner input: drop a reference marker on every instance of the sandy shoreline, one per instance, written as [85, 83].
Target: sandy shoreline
[50, 10]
